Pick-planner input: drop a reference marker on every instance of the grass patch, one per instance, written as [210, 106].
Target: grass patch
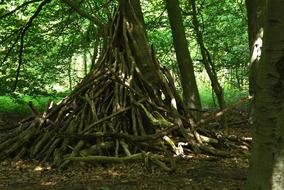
[18, 104]
[232, 95]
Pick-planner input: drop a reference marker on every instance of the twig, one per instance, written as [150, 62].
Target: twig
[93, 18]
[22, 35]
[18, 8]
[34, 110]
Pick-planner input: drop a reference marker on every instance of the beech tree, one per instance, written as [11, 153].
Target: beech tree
[266, 165]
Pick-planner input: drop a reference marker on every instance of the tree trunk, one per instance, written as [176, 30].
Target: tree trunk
[140, 47]
[267, 161]
[85, 62]
[255, 14]
[70, 74]
[209, 65]
[187, 76]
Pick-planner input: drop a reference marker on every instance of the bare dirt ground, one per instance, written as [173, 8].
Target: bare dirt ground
[201, 172]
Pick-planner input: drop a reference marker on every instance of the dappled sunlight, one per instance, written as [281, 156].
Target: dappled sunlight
[257, 47]
[190, 174]
[174, 103]
[48, 183]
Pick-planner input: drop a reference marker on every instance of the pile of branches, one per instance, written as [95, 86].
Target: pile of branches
[115, 114]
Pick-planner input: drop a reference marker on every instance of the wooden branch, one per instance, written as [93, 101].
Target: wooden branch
[10, 49]
[93, 18]
[34, 110]
[110, 116]
[14, 32]
[118, 135]
[22, 35]
[107, 159]
[210, 150]
[222, 112]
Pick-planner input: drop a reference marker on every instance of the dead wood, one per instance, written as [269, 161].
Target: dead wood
[116, 114]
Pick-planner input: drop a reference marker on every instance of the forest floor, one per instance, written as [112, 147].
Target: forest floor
[200, 172]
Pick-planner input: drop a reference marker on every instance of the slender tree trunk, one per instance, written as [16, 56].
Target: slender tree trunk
[267, 162]
[70, 74]
[208, 64]
[187, 76]
[85, 60]
[239, 78]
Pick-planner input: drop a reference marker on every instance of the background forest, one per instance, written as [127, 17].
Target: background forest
[59, 47]
[164, 82]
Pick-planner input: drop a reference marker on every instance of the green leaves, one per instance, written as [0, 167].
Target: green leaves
[59, 34]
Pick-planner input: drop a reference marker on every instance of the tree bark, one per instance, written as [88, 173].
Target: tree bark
[185, 63]
[208, 64]
[267, 161]
[70, 74]
[141, 51]
[255, 12]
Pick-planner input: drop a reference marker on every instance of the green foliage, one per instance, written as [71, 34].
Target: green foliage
[224, 27]
[18, 104]
[55, 35]
[225, 35]
[232, 95]
[58, 38]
